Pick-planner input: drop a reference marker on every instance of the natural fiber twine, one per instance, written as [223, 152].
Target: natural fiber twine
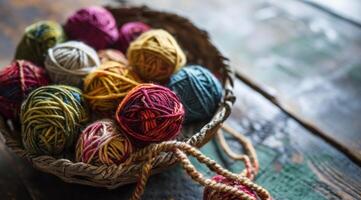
[68, 63]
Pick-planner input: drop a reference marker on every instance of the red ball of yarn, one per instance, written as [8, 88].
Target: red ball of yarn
[129, 32]
[210, 194]
[17, 80]
[150, 113]
[93, 25]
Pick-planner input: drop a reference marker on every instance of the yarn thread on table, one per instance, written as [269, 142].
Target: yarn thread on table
[150, 113]
[51, 118]
[93, 25]
[68, 63]
[199, 90]
[105, 87]
[17, 80]
[211, 194]
[102, 143]
[106, 55]
[155, 55]
[129, 32]
[37, 39]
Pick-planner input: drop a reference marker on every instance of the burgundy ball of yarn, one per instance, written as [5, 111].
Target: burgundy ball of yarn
[17, 80]
[93, 25]
[129, 32]
[150, 113]
[210, 194]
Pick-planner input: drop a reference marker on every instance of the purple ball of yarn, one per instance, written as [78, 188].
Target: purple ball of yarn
[129, 32]
[94, 26]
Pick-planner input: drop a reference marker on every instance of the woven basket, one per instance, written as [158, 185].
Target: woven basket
[199, 50]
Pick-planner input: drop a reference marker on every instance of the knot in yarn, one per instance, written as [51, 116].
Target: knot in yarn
[150, 113]
[51, 117]
[37, 39]
[155, 55]
[106, 55]
[93, 25]
[211, 194]
[129, 32]
[102, 143]
[199, 90]
[68, 63]
[17, 80]
[106, 86]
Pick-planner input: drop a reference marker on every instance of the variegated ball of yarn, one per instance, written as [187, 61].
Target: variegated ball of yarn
[17, 80]
[37, 39]
[199, 90]
[211, 194]
[155, 55]
[101, 143]
[106, 86]
[150, 113]
[106, 55]
[51, 118]
[68, 63]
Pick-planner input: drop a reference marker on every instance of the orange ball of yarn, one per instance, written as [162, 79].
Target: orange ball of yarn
[102, 143]
[155, 55]
[106, 86]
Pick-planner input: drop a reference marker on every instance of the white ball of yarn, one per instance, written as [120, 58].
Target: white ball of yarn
[68, 63]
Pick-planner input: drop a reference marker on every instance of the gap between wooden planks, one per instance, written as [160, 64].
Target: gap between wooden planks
[305, 123]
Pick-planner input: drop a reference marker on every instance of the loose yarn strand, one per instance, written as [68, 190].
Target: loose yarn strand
[181, 150]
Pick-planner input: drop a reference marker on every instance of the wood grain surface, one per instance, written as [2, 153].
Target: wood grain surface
[289, 55]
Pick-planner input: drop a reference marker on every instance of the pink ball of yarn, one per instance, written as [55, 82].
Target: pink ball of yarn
[129, 32]
[210, 194]
[93, 25]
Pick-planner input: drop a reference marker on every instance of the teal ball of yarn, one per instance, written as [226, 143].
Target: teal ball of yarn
[51, 119]
[199, 90]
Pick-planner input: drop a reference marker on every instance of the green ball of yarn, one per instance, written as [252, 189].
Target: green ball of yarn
[37, 39]
[51, 118]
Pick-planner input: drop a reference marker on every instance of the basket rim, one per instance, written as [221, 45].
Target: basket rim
[59, 167]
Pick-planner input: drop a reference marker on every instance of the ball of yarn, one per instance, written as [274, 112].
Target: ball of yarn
[102, 143]
[68, 63]
[199, 90]
[155, 55]
[93, 25]
[51, 117]
[150, 113]
[37, 39]
[129, 32]
[210, 194]
[106, 55]
[17, 80]
[105, 87]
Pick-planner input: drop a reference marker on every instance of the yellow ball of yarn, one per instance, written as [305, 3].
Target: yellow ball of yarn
[155, 55]
[106, 86]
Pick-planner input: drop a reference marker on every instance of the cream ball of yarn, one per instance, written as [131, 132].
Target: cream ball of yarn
[68, 63]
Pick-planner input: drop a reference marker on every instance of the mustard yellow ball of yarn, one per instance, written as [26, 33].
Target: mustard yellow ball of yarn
[155, 55]
[107, 85]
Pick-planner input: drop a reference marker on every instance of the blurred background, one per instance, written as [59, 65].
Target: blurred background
[301, 58]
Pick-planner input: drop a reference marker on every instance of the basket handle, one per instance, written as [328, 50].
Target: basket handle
[182, 150]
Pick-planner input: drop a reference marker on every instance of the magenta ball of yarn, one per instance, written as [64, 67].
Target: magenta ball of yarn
[93, 25]
[129, 32]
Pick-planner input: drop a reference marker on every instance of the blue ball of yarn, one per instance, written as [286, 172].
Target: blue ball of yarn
[199, 90]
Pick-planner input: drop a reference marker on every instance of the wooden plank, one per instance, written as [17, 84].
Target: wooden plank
[303, 59]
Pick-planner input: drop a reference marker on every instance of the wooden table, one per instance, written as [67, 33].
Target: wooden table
[298, 98]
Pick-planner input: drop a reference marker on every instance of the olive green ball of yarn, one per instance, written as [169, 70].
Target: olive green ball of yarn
[51, 118]
[37, 39]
